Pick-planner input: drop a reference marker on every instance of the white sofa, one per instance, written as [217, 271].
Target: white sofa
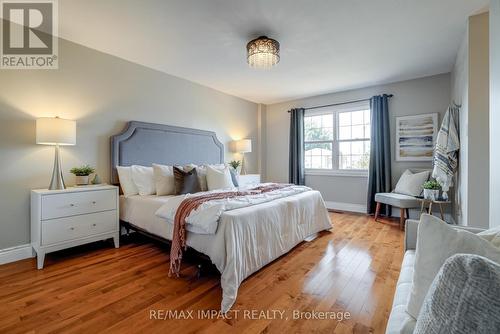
[399, 320]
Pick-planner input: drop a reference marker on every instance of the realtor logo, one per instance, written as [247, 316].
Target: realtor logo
[28, 38]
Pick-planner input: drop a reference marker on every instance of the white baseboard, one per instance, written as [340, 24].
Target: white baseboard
[16, 253]
[350, 207]
[361, 208]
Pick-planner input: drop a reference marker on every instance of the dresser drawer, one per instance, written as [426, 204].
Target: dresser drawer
[65, 229]
[77, 203]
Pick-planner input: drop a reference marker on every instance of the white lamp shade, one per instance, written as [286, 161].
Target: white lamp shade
[55, 131]
[243, 146]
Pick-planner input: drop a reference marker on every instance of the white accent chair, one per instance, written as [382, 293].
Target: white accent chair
[403, 202]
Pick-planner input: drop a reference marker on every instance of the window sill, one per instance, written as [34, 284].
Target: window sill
[319, 172]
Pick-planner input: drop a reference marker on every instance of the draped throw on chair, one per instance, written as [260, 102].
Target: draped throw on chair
[379, 172]
[296, 163]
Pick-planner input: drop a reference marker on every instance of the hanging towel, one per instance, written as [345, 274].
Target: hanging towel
[446, 150]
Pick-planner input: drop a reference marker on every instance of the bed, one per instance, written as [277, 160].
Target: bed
[247, 238]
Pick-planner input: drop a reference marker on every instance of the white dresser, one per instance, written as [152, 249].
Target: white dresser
[248, 179]
[66, 218]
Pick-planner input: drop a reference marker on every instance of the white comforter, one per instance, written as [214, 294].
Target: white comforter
[250, 237]
[205, 219]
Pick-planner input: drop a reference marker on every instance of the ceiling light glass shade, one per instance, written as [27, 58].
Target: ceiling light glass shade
[263, 52]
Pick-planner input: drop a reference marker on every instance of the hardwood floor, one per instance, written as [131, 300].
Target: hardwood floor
[99, 289]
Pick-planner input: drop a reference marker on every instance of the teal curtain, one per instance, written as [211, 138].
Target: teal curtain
[379, 172]
[296, 156]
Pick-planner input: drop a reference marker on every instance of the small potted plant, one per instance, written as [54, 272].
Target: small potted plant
[82, 174]
[431, 190]
[235, 164]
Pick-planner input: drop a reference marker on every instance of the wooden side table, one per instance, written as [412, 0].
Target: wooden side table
[424, 201]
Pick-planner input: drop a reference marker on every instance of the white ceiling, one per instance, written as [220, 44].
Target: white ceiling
[326, 45]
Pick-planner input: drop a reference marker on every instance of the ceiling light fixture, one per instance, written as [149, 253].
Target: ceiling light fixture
[263, 52]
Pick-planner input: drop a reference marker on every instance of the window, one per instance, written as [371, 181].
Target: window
[338, 139]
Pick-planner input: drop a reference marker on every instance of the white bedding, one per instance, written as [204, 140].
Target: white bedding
[205, 218]
[246, 239]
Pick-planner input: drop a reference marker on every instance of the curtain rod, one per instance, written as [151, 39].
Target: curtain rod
[341, 103]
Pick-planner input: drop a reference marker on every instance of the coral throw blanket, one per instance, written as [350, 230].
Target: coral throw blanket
[192, 203]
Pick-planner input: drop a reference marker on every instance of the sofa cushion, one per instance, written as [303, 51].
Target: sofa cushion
[492, 235]
[399, 320]
[463, 298]
[436, 242]
[397, 200]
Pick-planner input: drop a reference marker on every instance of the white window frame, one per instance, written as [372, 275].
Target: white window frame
[336, 110]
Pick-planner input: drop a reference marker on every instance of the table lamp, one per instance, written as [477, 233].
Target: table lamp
[243, 146]
[56, 131]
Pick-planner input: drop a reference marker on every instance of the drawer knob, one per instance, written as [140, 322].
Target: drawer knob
[71, 204]
[72, 228]
[94, 225]
[93, 202]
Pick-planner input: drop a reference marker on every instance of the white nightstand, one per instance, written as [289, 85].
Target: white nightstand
[248, 179]
[66, 218]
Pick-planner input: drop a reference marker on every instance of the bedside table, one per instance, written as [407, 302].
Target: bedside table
[66, 218]
[248, 179]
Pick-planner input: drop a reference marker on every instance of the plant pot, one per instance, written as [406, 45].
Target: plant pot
[431, 194]
[82, 180]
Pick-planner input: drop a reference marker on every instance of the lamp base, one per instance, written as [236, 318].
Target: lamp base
[243, 167]
[57, 181]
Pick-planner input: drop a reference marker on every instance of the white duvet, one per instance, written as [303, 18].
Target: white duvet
[205, 219]
[246, 239]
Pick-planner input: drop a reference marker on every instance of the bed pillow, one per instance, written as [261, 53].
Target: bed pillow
[436, 242]
[186, 182]
[126, 183]
[219, 178]
[202, 173]
[164, 179]
[143, 178]
[234, 177]
[411, 184]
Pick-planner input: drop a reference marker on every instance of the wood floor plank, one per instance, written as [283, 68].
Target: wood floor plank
[95, 288]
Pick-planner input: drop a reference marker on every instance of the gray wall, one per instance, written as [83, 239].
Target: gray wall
[478, 122]
[460, 95]
[470, 88]
[101, 93]
[494, 113]
[419, 96]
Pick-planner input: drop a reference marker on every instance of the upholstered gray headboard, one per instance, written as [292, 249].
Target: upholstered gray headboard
[147, 143]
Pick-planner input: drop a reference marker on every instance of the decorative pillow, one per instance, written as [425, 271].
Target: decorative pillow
[234, 177]
[186, 182]
[202, 173]
[219, 178]
[143, 178]
[436, 242]
[492, 235]
[126, 183]
[164, 179]
[463, 298]
[411, 184]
